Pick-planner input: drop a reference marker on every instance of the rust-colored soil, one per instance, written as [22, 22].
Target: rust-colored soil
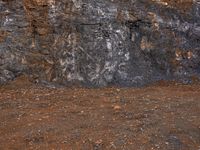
[162, 116]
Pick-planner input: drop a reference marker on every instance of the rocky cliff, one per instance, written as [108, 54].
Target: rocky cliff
[99, 42]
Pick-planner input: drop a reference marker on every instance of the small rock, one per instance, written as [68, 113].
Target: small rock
[118, 90]
[99, 141]
[117, 107]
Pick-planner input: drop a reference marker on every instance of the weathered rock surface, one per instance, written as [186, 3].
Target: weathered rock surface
[99, 42]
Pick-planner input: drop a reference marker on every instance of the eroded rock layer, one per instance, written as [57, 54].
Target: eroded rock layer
[99, 42]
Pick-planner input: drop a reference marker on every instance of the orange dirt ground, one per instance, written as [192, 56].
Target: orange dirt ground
[163, 116]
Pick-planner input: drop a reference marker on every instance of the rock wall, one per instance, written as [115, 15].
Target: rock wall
[99, 42]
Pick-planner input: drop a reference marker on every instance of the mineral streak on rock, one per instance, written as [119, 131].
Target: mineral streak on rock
[99, 42]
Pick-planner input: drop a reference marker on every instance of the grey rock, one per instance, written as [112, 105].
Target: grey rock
[98, 43]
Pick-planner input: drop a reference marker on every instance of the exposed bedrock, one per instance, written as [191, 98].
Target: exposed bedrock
[99, 42]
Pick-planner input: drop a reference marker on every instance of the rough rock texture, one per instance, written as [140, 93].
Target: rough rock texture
[99, 42]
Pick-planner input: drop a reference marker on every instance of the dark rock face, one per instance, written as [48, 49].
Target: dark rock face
[99, 42]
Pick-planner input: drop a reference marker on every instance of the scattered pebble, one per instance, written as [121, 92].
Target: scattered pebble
[117, 107]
